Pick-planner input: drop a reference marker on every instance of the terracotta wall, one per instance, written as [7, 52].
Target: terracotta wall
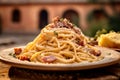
[30, 15]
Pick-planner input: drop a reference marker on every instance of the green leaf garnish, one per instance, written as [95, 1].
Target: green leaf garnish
[13, 55]
[109, 53]
[74, 25]
[55, 33]
[61, 19]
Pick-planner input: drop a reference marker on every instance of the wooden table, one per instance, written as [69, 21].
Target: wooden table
[12, 73]
[4, 70]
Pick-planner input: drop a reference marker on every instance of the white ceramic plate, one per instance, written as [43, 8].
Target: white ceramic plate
[110, 57]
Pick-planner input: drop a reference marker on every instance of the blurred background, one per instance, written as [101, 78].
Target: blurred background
[22, 20]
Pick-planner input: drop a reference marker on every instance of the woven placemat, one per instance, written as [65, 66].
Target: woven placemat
[93, 74]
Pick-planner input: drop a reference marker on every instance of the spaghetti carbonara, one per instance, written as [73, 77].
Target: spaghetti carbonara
[59, 42]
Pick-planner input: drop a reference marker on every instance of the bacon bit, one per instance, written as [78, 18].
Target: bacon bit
[59, 24]
[24, 58]
[49, 59]
[56, 19]
[17, 51]
[93, 43]
[81, 43]
[96, 53]
[52, 25]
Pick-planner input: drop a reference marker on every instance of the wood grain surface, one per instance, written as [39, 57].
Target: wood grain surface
[12, 73]
[4, 69]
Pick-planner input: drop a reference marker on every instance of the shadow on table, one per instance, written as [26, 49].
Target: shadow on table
[93, 74]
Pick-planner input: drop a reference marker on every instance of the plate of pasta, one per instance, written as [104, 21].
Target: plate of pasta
[60, 46]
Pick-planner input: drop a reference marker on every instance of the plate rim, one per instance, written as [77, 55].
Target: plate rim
[59, 67]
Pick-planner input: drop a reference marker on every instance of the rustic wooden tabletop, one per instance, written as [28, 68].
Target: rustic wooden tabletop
[13, 73]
